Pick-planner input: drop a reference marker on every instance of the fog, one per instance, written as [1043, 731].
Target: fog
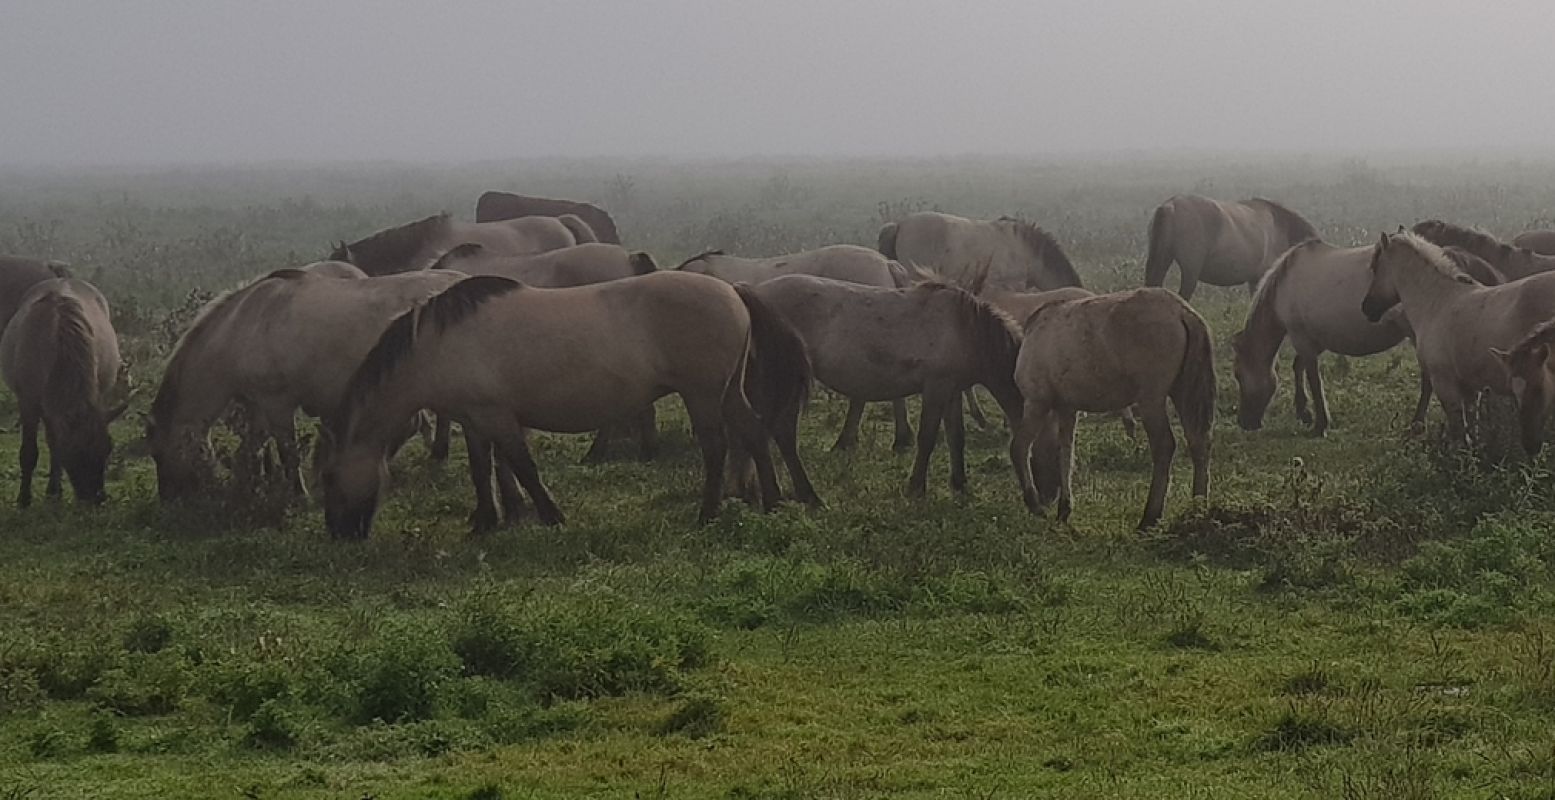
[170, 81]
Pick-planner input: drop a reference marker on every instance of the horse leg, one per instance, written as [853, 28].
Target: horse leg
[934, 403]
[484, 517]
[709, 429]
[598, 452]
[1163, 446]
[53, 490]
[974, 408]
[442, 431]
[1298, 370]
[1423, 406]
[748, 430]
[1027, 429]
[1319, 399]
[955, 439]
[29, 457]
[785, 432]
[648, 434]
[904, 438]
[1198, 451]
[848, 438]
[515, 451]
[1130, 427]
[1190, 282]
[1063, 423]
[281, 425]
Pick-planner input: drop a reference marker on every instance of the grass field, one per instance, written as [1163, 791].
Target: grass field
[1361, 616]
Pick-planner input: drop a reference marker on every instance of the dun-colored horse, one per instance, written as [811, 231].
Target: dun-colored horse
[1531, 372]
[1158, 349]
[1514, 262]
[1220, 243]
[497, 206]
[503, 358]
[1019, 255]
[418, 244]
[60, 356]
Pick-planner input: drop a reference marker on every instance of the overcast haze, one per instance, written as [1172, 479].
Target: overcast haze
[160, 81]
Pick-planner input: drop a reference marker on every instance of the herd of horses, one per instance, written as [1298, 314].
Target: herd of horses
[534, 317]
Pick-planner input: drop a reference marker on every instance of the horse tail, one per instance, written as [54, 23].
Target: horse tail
[72, 380]
[642, 263]
[779, 376]
[887, 242]
[1160, 257]
[1193, 392]
[581, 232]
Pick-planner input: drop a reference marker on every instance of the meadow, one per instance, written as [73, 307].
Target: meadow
[1360, 616]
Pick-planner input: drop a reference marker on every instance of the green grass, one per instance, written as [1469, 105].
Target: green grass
[1359, 616]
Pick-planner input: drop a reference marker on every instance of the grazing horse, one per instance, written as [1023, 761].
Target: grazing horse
[580, 265]
[17, 275]
[1018, 255]
[1513, 262]
[498, 206]
[504, 358]
[1531, 372]
[842, 262]
[1158, 349]
[1456, 321]
[1220, 243]
[874, 344]
[418, 244]
[60, 356]
[1541, 242]
[289, 340]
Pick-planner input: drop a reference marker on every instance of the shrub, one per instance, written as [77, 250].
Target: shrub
[148, 635]
[696, 717]
[402, 675]
[272, 726]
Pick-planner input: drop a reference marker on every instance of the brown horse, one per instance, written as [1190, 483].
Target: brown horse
[1159, 350]
[1220, 243]
[17, 275]
[60, 355]
[1541, 242]
[1019, 255]
[874, 344]
[1530, 370]
[416, 245]
[289, 340]
[1511, 261]
[503, 358]
[841, 262]
[498, 206]
[1457, 323]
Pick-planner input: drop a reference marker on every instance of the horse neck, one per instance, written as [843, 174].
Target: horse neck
[1264, 331]
[378, 415]
[1424, 291]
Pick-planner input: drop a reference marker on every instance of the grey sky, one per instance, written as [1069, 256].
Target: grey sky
[238, 80]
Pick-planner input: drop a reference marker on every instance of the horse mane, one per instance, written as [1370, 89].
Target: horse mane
[466, 250]
[1432, 254]
[391, 244]
[1044, 246]
[440, 311]
[1263, 298]
[167, 393]
[1297, 228]
[1542, 334]
[699, 257]
[996, 336]
[72, 380]
[1448, 234]
[1477, 268]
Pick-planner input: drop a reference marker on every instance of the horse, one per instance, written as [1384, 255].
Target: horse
[1160, 349]
[842, 262]
[288, 340]
[1220, 243]
[60, 356]
[1541, 242]
[416, 245]
[579, 265]
[1531, 373]
[1020, 256]
[498, 206]
[1511, 261]
[17, 275]
[504, 358]
[870, 343]
[1456, 321]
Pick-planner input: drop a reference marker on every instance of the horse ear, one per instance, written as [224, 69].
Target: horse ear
[1383, 242]
[1400, 229]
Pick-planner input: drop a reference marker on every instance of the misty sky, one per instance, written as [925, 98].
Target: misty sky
[138, 81]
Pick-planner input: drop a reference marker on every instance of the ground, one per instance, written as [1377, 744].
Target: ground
[1359, 616]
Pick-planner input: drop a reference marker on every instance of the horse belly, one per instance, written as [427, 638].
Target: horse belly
[870, 375]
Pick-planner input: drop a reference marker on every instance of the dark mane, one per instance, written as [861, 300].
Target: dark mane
[699, 257]
[388, 249]
[466, 250]
[1045, 248]
[996, 337]
[72, 381]
[439, 312]
[1296, 227]
[166, 400]
[1447, 234]
[1477, 268]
